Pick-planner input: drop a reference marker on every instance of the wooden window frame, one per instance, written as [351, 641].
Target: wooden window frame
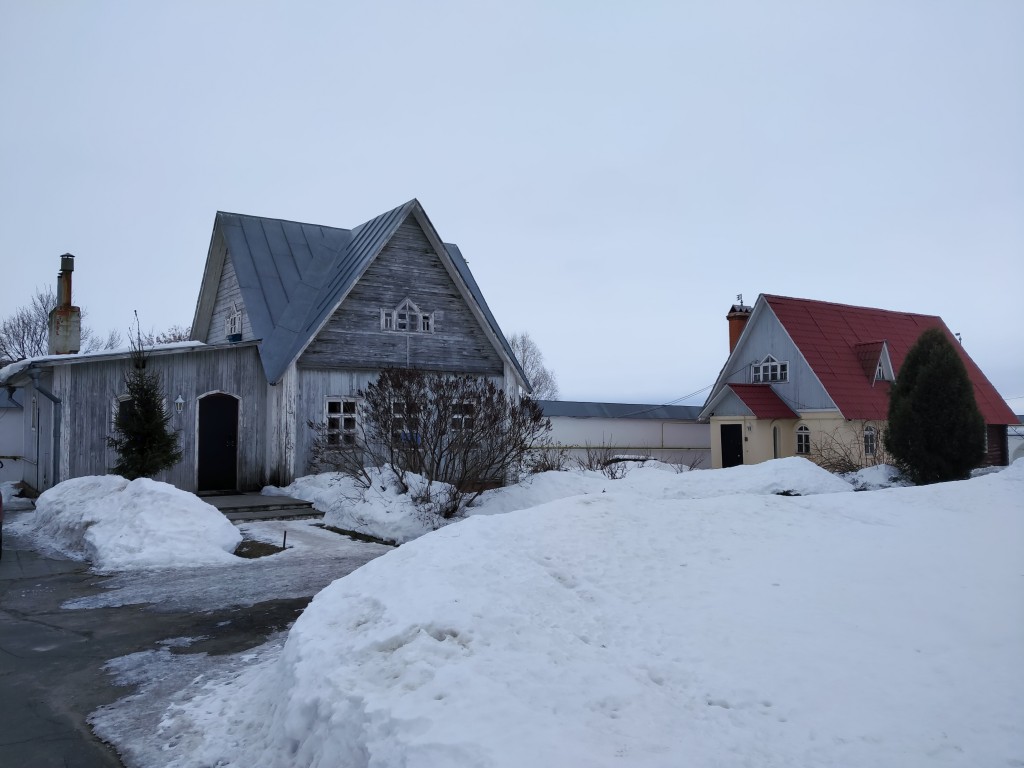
[341, 417]
[406, 318]
[870, 441]
[769, 371]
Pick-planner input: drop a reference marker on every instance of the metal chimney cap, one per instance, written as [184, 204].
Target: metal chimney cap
[67, 263]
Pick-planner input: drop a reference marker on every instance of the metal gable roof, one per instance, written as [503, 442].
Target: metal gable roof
[763, 401]
[293, 276]
[582, 410]
[834, 337]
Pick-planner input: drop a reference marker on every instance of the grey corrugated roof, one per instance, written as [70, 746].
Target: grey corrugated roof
[293, 276]
[580, 410]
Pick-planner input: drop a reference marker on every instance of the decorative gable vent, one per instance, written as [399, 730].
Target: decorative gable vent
[407, 318]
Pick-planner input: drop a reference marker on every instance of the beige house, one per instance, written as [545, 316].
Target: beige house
[811, 378]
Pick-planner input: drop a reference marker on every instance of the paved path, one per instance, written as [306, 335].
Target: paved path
[51, 659]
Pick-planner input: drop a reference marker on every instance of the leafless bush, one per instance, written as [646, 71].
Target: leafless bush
[603, 458]
[550, 457]
[456, 431]
[841, 452]
[695, 462]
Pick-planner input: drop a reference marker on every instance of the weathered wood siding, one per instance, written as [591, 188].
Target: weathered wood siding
[89, 392]
[407, 267]
[314, 387]
[228, 292]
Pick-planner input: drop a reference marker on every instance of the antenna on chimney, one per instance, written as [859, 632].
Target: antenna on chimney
[959, 338]
[739, 299]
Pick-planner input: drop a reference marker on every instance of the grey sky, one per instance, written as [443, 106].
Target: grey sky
[615, 173]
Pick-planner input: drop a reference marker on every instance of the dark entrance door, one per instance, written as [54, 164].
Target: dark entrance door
[732, 445]
[218, 443]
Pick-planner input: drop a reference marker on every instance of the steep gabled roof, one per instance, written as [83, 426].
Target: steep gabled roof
[762, 401]
[294, 276]
[835, 340]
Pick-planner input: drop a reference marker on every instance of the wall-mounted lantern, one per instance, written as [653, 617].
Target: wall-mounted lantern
[179, 404]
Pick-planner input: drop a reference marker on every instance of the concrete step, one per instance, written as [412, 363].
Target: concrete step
[246, 507]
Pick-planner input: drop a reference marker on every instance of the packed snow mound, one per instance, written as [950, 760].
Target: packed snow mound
[118, 524]
[876, 477]
[383, 511]
[616, 629]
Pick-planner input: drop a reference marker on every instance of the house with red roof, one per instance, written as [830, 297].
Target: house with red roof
[812, 378]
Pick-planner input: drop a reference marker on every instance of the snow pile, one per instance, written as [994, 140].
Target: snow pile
[876, 477]
[386, 513]
[118, 525]
[878, 628]
[381, 510]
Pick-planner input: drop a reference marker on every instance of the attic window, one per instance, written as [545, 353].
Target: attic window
[768, 370]
[407, 318]
[233, 321]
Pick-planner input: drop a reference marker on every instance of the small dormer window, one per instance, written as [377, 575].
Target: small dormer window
[769, 370]
[879, 372]
[233, 321]
[407, 318]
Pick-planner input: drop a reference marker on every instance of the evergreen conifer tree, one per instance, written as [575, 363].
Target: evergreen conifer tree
[141, 438]
[935, 432]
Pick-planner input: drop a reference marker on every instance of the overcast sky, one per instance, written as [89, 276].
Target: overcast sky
[615, 172]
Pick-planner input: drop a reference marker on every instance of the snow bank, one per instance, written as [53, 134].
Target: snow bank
[117, 525]
[614, 629]
[384, 512]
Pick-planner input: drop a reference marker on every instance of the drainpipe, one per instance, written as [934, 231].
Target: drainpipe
[55, 442]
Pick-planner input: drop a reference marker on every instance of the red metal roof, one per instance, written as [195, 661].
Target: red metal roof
[835, 337]
[762, 400]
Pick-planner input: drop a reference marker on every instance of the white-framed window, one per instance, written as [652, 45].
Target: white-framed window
[870, 441]
[775, 443]
[879, 372]
[407, 318]
[769, 370]
[462, 416]
[233, 321]
[803, 440]
[402, 432]
[342, 415]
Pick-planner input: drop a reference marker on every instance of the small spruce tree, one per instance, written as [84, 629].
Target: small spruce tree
[935, 432]
[141, 438]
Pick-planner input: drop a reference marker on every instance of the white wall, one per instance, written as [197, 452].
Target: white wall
[666, 440]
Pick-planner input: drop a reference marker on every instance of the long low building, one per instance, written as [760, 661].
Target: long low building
[669, 433]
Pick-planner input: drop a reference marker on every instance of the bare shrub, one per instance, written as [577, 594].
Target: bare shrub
[550, 457]
[460, 433]
[841, 452]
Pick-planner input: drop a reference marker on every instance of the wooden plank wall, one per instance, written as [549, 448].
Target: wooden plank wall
[228, 291]
[89, 391]
[314, 387]
[406, 267]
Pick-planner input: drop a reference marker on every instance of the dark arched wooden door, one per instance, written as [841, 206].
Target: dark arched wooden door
[218, 443]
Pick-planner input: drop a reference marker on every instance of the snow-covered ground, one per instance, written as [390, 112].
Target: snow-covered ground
[656, 620]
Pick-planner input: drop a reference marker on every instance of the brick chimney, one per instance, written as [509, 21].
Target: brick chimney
[737, 317]
[65, 320]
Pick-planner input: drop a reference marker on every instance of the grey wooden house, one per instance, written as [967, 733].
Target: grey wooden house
[291, 321]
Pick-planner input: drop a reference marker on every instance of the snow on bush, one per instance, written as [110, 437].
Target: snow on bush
[620, 629]
[118, 525]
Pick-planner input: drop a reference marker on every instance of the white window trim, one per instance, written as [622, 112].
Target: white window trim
[803, 431]
[872, 433]
[415, 319]
[769, 371]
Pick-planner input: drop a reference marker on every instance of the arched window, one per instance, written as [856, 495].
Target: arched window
[803, 440]
[870, 441]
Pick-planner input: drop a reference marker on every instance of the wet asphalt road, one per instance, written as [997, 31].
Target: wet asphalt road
[51, 659]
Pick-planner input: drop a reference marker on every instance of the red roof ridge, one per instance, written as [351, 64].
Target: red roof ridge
[769, 297]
